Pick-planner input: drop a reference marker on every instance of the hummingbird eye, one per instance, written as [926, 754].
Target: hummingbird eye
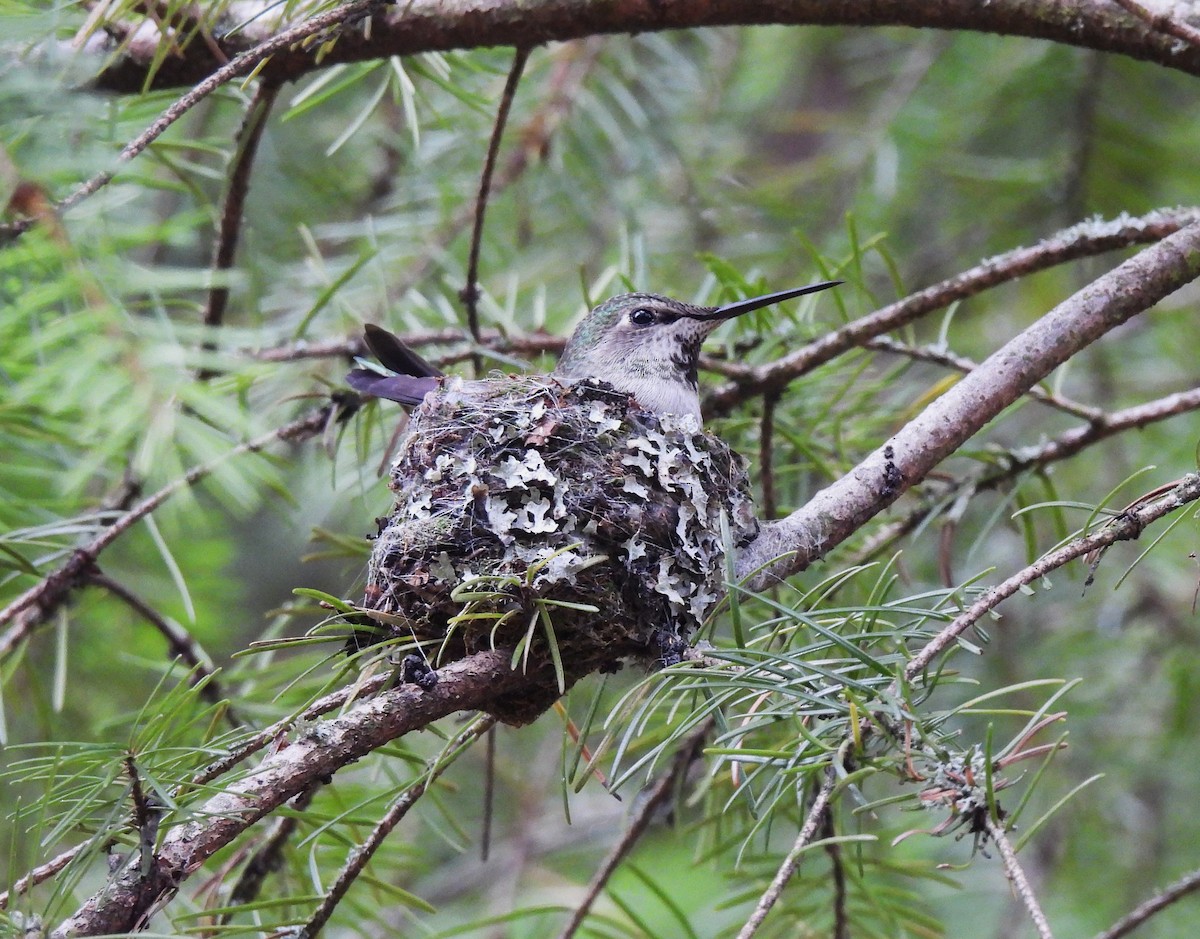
[642, 317]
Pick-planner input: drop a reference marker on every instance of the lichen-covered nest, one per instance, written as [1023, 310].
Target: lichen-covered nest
[562, 519]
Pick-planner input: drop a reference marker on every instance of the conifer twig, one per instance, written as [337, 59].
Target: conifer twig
[1016, 875]
[1186, 884]
[647, 809]
[470, 292]
[359, 856]
[30, 608]
[416, 26]
[1126, 526]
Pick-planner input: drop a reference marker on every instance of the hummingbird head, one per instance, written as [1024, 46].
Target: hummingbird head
[641, 343]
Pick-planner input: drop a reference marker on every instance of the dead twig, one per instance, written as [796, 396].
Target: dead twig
[470, 292]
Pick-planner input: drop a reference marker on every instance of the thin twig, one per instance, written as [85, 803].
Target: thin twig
[1071, 442]
[470, 293]
[1163, 22]
[1080, 241]
[790, 863]
[528, 344]
[647, 809]
[1020, 883]
[1126, 526]
[42, 873]
[841, 921]
[45, 596]
[965, 365]
[241, 64]
[575, 62]
[489, 795]
[269, 854]
[180, 642]
[361, 855]
[766, 454]
[232, 211]
[1064, 446]
[1131, 921]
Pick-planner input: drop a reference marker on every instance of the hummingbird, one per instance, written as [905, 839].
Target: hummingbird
[645, 345]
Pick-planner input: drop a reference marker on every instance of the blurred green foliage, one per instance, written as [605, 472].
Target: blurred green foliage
[680, 163]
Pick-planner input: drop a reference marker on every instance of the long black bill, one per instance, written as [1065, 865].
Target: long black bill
[731, 310]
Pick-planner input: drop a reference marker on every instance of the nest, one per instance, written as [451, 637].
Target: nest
[564, 521]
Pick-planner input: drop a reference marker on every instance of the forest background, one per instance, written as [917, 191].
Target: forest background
[180, 456]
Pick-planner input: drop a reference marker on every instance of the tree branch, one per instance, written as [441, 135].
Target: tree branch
[470, 292]
[1127, 924]
[268, 856]
[833, 514]
[441, 25]
[1124, 527]
[1086, 239]
[36, 603]
[124, 903]
[248, 137]
[1020, 883]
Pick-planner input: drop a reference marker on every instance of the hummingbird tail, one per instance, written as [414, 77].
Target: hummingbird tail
[409, 390]
[394, 354]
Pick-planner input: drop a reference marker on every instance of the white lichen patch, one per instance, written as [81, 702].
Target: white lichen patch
[632, 487]
[567, 502]
[519, 473]
[599, 415]
[534, 517]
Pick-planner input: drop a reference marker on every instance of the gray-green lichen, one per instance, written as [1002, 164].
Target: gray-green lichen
[515, 496]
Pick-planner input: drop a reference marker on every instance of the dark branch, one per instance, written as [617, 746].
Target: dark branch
[435, 25]
[470, 293]
[180, 642]
[248, 137]
[648, 808]
[360, 856]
